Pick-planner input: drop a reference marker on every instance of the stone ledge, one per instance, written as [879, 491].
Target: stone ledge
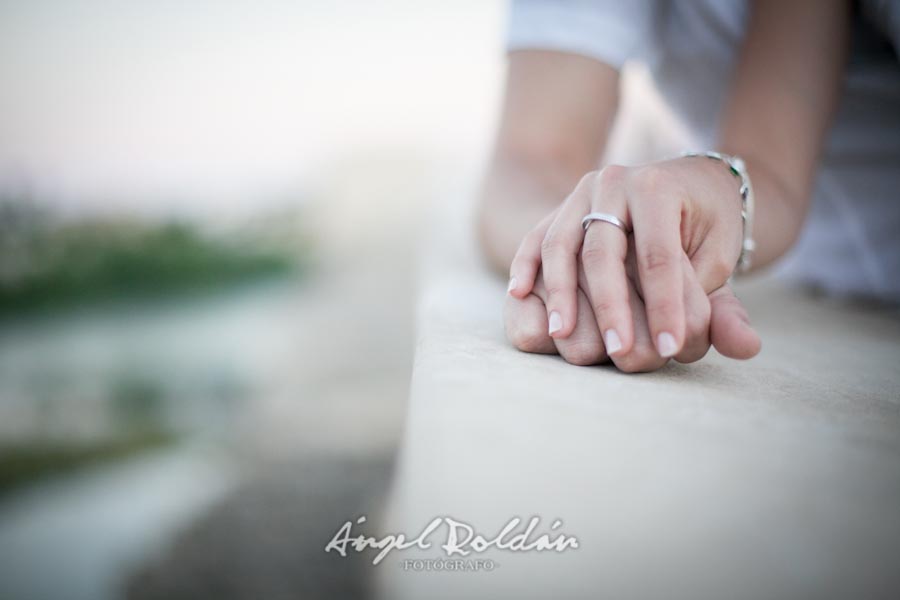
[773, 478]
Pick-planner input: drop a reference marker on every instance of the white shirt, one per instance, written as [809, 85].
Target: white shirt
[850, 244]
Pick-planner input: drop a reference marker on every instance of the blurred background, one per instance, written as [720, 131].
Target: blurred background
[209, 215]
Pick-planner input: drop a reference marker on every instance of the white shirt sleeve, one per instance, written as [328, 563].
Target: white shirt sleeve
[611, 31]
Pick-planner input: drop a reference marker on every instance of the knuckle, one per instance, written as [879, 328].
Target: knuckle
[627, 365]
[527, 337]
[526, 269]
[520, 266]
[655, 257]
[693, 354]
[730, 304]
[551, 244]
[584, 353]
[696, 329]
[555, 290]
[720, 270]
[521, 259]
[648, 179]
[548, 245]
[531, 240]
[693, 351]
[604, 306]
[661, 310]
[697, 322]
[587, 180]
[594, 254]
[611, 175]
[640, 360]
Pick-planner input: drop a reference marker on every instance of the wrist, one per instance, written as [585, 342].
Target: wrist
[514, 198]
[738, 170]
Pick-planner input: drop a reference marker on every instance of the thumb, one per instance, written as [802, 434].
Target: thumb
[729, 330]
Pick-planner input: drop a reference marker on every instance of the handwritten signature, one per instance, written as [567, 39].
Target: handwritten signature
[461, 539]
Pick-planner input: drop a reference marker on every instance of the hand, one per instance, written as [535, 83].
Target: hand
[526, 327]
[686, 222]
[719, 319]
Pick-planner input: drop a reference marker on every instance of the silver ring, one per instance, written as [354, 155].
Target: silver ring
[606, 218]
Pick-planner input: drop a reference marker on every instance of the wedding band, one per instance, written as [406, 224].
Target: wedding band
[606, 218]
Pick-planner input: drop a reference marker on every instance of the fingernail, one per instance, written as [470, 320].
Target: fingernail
[666, 345]
[555, 322]
[512, 284]
[612, 341]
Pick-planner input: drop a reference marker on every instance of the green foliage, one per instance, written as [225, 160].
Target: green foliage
[20, 464]
[44, 264]
[137, 403]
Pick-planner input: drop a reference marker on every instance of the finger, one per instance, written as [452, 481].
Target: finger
[730, 329]
[525, 264]
[712, 263]
[717, 256]
[643, 356]
[583, 346]
[526, 324]
[603, 255]
[697, 314]
[656, 218]
[631, 271]
[559, 260]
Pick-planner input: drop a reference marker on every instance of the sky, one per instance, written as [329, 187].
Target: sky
[222, 103]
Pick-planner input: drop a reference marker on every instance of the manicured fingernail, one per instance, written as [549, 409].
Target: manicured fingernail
[612, 341]
[666, 345]
[555, 322]
[512, 284]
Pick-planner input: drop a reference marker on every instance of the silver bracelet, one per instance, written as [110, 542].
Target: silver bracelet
[738, 169]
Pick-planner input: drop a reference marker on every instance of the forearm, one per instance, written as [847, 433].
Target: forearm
[557, 112]
[780, 211]
[516, 194]
[783, 97]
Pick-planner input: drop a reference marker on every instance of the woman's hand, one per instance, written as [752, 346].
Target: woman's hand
[526, 327]
[685, 215]
[718, 319]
